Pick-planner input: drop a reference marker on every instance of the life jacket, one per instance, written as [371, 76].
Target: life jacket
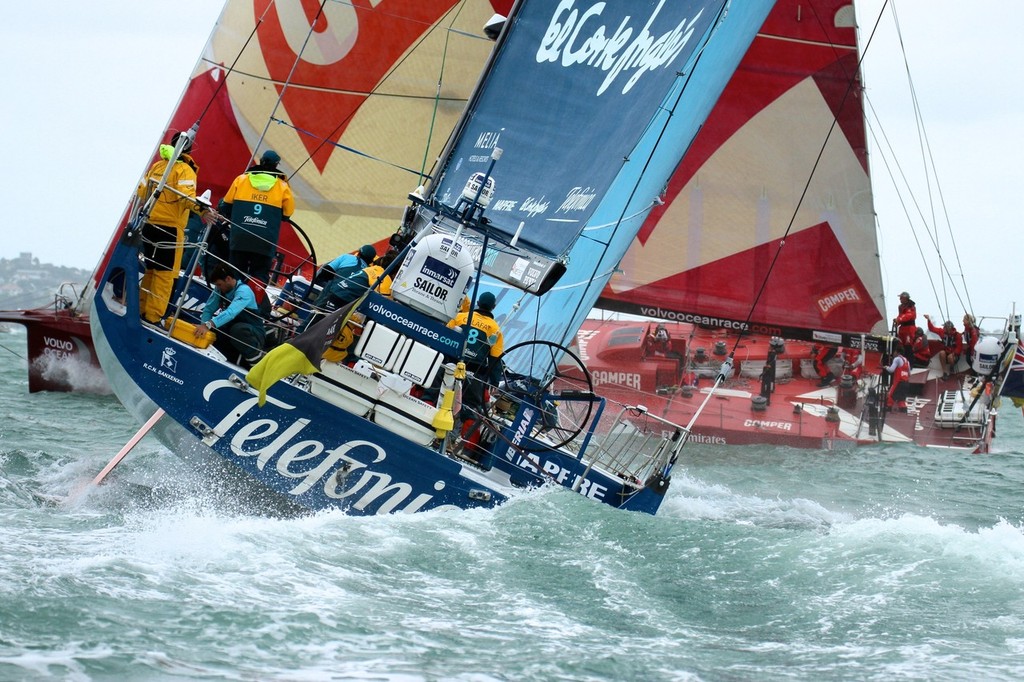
[484, 340]
[907, 314]
[970, 338]
[902, 373]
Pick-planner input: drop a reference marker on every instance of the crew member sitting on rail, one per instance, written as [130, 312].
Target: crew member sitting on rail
[952, 345]
[232, 311]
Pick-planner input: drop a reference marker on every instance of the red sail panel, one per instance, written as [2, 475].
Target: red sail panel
[706, 252]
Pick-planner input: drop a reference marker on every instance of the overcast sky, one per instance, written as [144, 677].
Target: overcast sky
[89, 86]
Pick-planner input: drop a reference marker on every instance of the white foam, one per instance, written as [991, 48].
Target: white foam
[80, 375]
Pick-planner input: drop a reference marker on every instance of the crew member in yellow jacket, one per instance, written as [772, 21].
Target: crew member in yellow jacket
[256, 203]
[484, 346]
[163, 234]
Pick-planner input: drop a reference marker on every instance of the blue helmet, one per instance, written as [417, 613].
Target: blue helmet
[486, 301]
[270, 158]
[367, 253]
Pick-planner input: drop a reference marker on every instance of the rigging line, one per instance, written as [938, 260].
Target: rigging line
[437, 97]
[839, 62]
[905, 183]
[288, 79]
[931, 225]
[670, 112]
[355, 151]
[903, 204]
[803, 194]
[931, 175]
[394, 68]
[640, 211]
[927, 155]
[13, 352]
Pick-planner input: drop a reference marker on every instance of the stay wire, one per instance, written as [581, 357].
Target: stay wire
[931, 176]
[288, 79]
[904, 181]
[13, 352]
[231, 69]
[903, 203]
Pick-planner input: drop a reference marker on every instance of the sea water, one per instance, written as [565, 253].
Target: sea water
[879, 563]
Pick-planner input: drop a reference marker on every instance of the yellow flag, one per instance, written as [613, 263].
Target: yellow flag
[279, 363]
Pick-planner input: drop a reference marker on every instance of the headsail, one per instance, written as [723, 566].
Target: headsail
[361, 100]
[761, 166]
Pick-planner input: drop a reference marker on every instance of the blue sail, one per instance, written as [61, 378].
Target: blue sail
[567, 105]
[634, 191]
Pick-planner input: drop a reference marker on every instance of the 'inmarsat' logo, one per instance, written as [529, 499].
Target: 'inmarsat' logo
[168, 361]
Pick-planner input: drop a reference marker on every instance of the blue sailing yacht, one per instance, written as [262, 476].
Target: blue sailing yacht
[581, 114]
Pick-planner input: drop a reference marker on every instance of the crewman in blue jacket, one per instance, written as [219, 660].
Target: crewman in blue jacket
[233, 312]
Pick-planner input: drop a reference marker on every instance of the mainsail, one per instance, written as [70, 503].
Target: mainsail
[772, 204]
[642, 164]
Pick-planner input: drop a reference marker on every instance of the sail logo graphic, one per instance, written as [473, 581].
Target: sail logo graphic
[578, 199]
[579, 37]
[534, 206]
[830, 302]
[487, 140]
[439, 271]
[582, 340]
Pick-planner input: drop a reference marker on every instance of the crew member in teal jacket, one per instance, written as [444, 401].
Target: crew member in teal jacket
[232, 312]
[256, 203]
